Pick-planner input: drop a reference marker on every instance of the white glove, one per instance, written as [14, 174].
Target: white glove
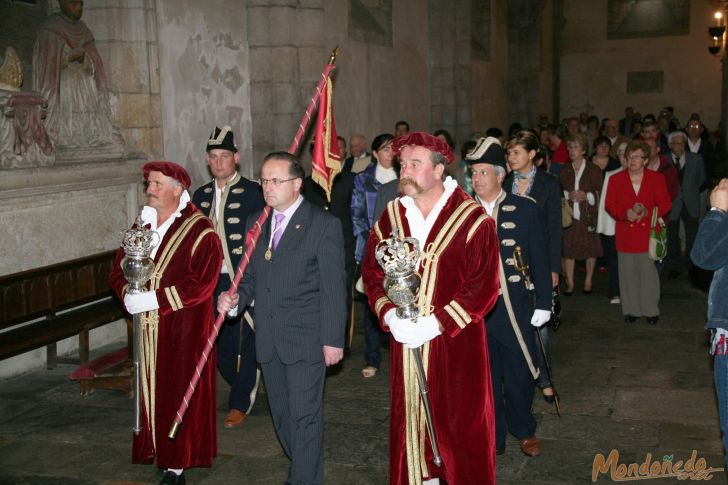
[412, 334]
[540, 318]
[141, 302]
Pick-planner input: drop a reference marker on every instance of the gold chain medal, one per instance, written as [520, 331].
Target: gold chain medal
[268, 254]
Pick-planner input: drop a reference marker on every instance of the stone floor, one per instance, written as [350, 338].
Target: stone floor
[635, 388]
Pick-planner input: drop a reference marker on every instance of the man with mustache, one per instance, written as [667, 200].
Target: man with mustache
[176, 314]
[459, 270]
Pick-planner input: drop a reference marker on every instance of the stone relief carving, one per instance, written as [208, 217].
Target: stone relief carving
[24, 141]
[69, 73]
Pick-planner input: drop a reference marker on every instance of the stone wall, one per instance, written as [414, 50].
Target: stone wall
[594, 69]
[205, 77]
[56, 214]
[490, 77]
[126, 37]
[287, 55]
[528, 61]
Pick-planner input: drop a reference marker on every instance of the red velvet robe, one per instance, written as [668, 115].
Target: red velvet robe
[184, 293]
[465, 276]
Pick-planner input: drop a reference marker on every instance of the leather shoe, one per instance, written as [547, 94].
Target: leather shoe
[630, 318]
[531, 446]
[171, 478]
[652, 320]
[235, 418]
[500, 451]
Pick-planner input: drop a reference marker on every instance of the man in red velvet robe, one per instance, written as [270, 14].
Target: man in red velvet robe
[176, 319]
[459, 270]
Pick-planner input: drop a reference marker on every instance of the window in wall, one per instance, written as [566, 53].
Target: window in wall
[641, 82]
[647, 18]
[370, 21]
[480, 30]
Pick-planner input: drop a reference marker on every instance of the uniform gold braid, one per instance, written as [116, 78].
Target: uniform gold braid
[199, 240]
[475, 226]
[423, 418]
[414, 414]
[461, 311]
[436, 248]
[220, 225]
[149, 329]
[378, 231]
[149, 324]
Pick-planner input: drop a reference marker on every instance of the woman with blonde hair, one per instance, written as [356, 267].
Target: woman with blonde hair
[581, 182]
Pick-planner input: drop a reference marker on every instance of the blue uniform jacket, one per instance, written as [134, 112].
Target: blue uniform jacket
[517, 223]
[240, 199]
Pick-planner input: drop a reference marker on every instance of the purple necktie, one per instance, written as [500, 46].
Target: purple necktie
[278, 232]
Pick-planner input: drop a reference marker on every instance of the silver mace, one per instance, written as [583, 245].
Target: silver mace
[137, 267]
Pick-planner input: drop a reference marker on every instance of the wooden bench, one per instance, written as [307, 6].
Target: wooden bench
[41, 306]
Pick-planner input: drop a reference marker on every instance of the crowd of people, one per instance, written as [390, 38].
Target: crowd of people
[502, 231]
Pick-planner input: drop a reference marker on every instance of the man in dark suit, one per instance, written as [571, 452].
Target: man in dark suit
[296, 277]
[511, 339]
[697, 142]
[686, 207]
[228, 200]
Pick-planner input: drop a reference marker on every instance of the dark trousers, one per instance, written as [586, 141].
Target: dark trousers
[610, 255]
[673, 238]
[295, 395]
[236, 337]
[512, 393]
[372, 338]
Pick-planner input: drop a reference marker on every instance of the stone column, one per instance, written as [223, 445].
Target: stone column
[450, 67]
[524, 60]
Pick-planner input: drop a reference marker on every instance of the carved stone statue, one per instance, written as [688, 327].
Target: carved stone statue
[69, 73]
[24, 141]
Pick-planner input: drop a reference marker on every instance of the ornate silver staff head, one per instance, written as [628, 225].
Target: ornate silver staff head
[399, 259]
[137, 265]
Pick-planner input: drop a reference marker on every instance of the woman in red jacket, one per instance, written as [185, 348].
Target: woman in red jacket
[631, 197]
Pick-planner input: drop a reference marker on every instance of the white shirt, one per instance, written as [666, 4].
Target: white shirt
[489, 206]
[419, 225]
[149, 216]
[589, 196]
[694, 147]
[384, 175]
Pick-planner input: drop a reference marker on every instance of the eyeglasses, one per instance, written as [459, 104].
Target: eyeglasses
[275, 182]
[635, 157]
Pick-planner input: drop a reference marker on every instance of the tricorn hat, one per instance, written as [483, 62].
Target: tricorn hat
[488, 150]
[222, 139]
